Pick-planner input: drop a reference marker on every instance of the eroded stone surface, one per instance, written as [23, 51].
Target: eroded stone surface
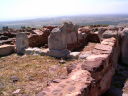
[90, 77]
[21, 43]
[71, 86]
[6, 50]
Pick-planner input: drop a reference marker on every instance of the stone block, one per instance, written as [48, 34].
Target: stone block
[6, 49]
[21, 43]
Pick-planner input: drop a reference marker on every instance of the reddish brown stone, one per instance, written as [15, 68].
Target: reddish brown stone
[39, 38]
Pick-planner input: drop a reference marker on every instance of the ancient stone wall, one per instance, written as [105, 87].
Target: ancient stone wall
[7, 38]
[90, 77]
[40, 37]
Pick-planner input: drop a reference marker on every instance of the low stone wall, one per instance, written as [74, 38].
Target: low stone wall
[91, 76]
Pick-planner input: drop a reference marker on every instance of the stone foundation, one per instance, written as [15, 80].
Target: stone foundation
[90, 77]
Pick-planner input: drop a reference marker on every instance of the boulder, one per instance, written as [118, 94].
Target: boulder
[6, 49]
[21, 43]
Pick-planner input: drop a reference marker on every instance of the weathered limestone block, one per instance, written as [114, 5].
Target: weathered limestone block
[63, 38]
[124, 46]
[6, 49]
[21, 43]
[57, 40]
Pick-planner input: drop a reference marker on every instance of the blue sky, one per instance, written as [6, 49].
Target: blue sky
[26, 9]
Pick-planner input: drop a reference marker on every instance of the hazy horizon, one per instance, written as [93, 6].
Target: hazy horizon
[12, 10]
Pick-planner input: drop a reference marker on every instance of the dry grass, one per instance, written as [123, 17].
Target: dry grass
[34, 72]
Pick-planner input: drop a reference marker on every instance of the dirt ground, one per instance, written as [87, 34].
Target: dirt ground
[28, 74]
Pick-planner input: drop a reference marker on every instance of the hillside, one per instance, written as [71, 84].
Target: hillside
[80, 20]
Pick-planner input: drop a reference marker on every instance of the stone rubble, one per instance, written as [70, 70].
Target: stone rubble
[92, 75]
[98, 68]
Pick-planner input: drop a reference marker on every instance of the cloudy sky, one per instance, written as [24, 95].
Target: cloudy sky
[24, 9]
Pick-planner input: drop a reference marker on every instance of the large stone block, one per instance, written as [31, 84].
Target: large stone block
[6, 50]
[64, 37]
[61, 38]
[57, 40]
[21, 43]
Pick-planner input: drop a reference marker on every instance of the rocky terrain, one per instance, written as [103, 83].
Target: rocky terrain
[65, 60]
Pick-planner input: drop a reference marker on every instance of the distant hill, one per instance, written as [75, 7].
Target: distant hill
[81, 20]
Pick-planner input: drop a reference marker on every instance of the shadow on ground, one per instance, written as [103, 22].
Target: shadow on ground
[119, 85]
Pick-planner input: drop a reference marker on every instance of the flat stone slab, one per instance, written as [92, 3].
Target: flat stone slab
[6, 49]
[56, 53]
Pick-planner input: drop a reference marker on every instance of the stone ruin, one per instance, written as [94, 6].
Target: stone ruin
[21, 43]
[62, 39]
[92, 75]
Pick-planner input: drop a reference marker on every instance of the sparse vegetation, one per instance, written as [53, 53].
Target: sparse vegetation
[32, 73]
